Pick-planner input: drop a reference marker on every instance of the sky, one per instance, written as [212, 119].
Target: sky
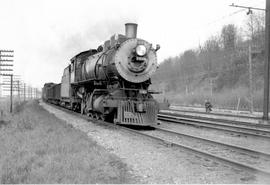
[46, 34]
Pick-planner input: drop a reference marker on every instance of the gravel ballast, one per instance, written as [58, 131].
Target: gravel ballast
[154, 162]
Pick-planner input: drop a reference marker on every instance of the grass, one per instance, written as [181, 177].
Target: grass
[36, 147]
[4, 106]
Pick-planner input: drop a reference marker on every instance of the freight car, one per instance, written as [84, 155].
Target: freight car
[51, 93]
[111, 82]
[45, 91]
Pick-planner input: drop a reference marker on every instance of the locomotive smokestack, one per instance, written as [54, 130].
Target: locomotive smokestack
[131, 30]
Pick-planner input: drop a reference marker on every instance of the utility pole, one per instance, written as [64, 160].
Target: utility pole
[5, 56]
[250, 63]
[0, 77]
[266, 64]
[250, 78]
[11, 89]
[24, 92]
[30, 92]
[18, 84]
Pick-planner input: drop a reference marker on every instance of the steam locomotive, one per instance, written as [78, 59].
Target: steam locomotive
[110, 82]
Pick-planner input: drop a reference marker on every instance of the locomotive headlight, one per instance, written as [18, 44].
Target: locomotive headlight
[141, 50]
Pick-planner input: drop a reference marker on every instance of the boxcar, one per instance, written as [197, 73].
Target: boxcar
[45, 91]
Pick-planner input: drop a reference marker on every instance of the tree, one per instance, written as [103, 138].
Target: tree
[228, 37]
[210, 55]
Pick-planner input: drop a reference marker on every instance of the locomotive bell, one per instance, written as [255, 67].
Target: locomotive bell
[131, 30]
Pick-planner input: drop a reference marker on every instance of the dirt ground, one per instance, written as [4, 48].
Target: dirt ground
[37, 147]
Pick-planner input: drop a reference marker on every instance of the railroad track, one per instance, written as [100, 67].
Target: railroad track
[242, 158]
[222, 120]
[262, 133]
[217, 114]
[168, 137]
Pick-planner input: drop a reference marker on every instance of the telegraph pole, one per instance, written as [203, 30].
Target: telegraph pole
[266, 64]
[30, 92]
[0, 76]
[250, 78]
[24, 92]
[10, 85]
[6, 56]
[11, 89]
[5, 60]
[18, 84]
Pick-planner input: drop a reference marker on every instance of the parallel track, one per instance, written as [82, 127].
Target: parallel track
[222, 120]
[216, 114]
[231, 146]
[237, 129]
[205, 154]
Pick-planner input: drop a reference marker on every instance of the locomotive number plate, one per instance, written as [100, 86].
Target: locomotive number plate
[141, 58]
[129, 114]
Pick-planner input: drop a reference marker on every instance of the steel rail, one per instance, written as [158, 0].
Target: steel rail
[208, 155]
[216, 113]
[231, 122]
[213, 126]
[215, 122]
[234, 147]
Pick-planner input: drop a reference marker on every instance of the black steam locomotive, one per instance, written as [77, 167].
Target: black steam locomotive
[110, 82]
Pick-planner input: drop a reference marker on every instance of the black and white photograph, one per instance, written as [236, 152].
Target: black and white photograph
[134, 92]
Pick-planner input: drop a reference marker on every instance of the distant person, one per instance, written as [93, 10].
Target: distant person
[166, 102]
[208, 106]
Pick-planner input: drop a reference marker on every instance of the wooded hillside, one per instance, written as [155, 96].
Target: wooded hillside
[220, 65]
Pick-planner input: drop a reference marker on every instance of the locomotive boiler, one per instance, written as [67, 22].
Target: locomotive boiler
[111, 82]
